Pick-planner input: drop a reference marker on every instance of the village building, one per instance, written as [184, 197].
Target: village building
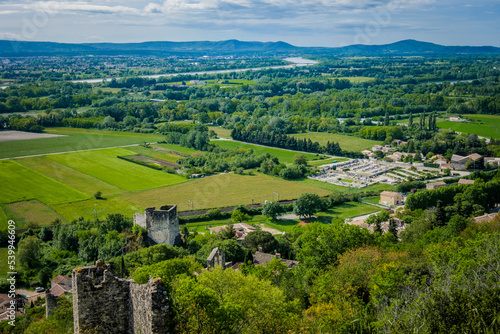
[241, 230]
[391, 198]
[435, 185]
[465, 181]
[261, 259]
[459, 162]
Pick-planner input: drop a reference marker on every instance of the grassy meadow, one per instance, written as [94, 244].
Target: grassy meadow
[105, 166]
[222, 190]
[348, 143]
[283, 155]
[73, 140]
[483, 125]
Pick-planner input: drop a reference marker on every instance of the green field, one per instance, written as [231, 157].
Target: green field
[222, 190]
[346, 210]
[34, 212]
[223, 133]
[283, 155]
[20, 184]
[105, 166]
[348, 143]
[356, 80]
[326, 161]
[89, 208]
[69, 176]
[74, 140]
[178, 150]
[487, 125]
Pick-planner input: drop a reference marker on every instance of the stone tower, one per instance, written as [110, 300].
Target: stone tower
[103, 303]
[162, 224]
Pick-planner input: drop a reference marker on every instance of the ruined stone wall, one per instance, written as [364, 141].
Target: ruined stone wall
[107, 304]
[50, 303]
[140, 219]
[163, 224]
[149, 308]
[100, 305]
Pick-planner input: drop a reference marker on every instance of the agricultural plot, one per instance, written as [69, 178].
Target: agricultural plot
[73, 140]
[488, 126]
[20, 184]
[222, 190]
[105, 166]
[176, 149]
[348, 143]
[283, 155]
[169, 156]
[26, 212]
[222, 133]
[69, 176]
[91, 208]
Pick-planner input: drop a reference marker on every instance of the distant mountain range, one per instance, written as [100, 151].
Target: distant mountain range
[232, 47]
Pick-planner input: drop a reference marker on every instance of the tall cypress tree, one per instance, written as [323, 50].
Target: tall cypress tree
[410, 120]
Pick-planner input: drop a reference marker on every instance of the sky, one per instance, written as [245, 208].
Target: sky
[330, 23]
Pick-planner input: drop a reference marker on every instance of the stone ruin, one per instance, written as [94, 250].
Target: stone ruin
[162, 225]
[104, 303]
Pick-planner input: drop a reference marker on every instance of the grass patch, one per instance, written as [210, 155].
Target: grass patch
[74, 140]
[356, 80]
[325, 161]
[104, 165]
[348, 143]
[32, 211]
[20, 184]
[223, 133]
[222, 190]
[69, 176]
[176, 149]
[283, 155]
[170, 157]
[71, 211]
[487, 126]
[346, 210]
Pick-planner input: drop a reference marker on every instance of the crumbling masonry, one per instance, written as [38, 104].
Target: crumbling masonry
[162, 224]
[103, 303]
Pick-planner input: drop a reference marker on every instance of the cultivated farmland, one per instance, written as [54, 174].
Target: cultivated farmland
[74, 140]
[283, 155]
[348, 143]
[105, 166]
[484, 125]
[222, 190]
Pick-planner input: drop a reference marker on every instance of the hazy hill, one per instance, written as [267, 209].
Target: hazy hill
[232, 47]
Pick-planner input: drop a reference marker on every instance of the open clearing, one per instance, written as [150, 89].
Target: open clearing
[21, 135]
[71, 211]
[69, 176]
[222, 190]
[488, 127]
[105, 166]
[223, 133]
[32, 211]
[283, 155]
[348, 143]
[73, 140]
[20, 184]
[346, 210]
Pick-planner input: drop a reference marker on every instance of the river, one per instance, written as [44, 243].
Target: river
[296, 61]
